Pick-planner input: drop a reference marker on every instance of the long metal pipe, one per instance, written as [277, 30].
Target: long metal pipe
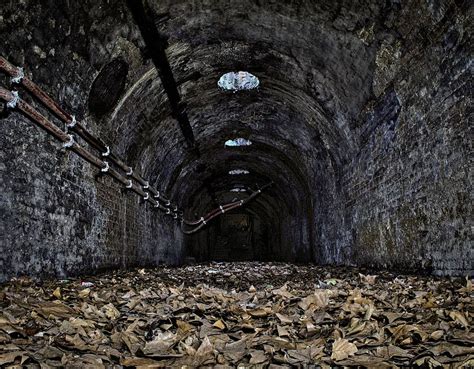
[65, 138]
[77, 127]
[99, 145]
[222, 211]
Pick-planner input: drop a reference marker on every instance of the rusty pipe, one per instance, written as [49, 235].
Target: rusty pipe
[78, 128]
[41, 121]
[212, 212]
[219, 212]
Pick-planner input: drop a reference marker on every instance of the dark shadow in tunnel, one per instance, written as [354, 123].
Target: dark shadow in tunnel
[275, 226]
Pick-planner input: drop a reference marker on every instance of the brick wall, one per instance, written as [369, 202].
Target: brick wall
[409, 189]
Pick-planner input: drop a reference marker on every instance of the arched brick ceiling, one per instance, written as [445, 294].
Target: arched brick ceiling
[315, 75]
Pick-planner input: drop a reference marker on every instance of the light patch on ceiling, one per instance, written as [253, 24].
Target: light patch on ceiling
[238, 190]
[237, 81]
[237, 142]
[235, 172]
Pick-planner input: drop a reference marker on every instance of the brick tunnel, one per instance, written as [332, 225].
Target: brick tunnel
[358, 120]
[339, 128]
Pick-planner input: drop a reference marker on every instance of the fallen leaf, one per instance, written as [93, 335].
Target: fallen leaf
[318, 299]
[84, 293]
[261, 312]
[369, 279]
[282, 331]
[284, 319]
[160, 344]
[205, 352]
[283, 291]
[257, 357]
[459, 317]
[342, 349]
[55, 308]
[57, 293]
[10, 357]
[110, 311]
[219, 324]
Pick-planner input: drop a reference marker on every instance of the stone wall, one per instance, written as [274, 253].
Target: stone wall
[56, 217]
[409, 189]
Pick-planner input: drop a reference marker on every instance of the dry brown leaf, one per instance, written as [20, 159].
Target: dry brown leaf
[257, 357]
[16, 356]
[392, 316]
[390, 351]
[260, 312]
[452, 349]
[205, 353]
[369, 279]
[459, 317]
[161, 343]
[219, 324]
[282, 331]
[128, 313]
[57, 293]
[55, 308]
[437, 335]
[139, 362]
[305, 356]
[84, 293]
[318, 300]
[369, 311]
[110, 311]
[235, 351]
[356, 326]
[468, 288]
[284, 319]
[184, 326]
[77, 342]
[342, 349]
[283, 292]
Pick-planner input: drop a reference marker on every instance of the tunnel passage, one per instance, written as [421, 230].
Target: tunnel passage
[358, 119]
[298, 139]
[274, 226]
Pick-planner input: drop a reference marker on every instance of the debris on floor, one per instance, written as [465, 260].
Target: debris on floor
[246, 314]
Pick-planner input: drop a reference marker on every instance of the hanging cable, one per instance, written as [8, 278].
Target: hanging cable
[212, 212]
[221, 210]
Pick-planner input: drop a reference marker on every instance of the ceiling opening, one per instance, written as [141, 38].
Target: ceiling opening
[236, 172]
[238, 189]
[238, 142]
[237, 81]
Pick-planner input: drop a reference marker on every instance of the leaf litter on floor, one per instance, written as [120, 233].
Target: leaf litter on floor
[243, 313]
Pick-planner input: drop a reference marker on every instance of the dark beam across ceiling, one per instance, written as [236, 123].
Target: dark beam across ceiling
[156, 46]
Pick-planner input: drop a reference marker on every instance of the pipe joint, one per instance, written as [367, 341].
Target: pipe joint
[14, 100]
[107, 151]
[72, 123]
[106, 167]
[68, 144]
[18, 77]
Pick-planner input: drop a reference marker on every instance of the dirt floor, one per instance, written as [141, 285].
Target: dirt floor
[238, 314]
